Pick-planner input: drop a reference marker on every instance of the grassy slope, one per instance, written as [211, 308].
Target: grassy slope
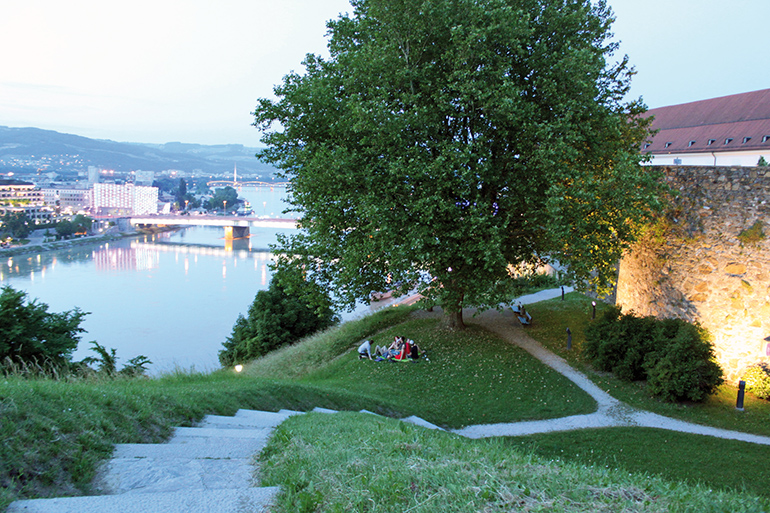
[78, 422]
[358, 462]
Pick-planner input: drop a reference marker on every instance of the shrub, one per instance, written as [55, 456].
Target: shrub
[685, 369]
[290, 309]
[619, 343]
[757, 378]
[675, 357]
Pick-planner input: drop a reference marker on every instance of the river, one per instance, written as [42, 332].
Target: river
[172, 297]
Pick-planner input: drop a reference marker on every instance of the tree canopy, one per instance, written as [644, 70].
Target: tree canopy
[291, 308]
[29, 333]
[445, 140]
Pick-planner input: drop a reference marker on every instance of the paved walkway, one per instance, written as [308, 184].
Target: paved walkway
[610, 412]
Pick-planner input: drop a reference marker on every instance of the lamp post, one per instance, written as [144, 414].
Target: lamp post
[225, 207]
[593, 313]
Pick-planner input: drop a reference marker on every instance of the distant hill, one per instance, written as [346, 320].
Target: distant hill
[65, 151]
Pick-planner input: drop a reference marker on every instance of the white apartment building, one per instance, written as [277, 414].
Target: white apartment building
[67, 199]
[127, 199]
[18, 196]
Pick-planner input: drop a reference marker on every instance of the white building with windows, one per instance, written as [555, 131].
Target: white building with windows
[728, 131]
[125, 199]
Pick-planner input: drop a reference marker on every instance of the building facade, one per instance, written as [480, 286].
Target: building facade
[727, 131]
[17, 196]
[127, 199]
[67, 199]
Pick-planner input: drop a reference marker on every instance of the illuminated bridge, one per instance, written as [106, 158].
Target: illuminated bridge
[235, 226]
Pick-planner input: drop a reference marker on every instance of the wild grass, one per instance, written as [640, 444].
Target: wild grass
[358, 462]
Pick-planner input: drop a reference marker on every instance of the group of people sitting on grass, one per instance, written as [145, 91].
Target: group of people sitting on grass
[402, 349]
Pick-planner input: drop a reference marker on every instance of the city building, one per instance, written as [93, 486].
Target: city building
[126, 199]
[19, 196]
[67, 199]
[728, 131]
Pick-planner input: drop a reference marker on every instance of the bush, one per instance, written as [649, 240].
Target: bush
[30, 334]
[675, 357]
[757, 378]
[290, 309]
[619, 343]
[685, 369]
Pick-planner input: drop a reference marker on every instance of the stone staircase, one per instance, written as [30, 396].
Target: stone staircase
[204, 469]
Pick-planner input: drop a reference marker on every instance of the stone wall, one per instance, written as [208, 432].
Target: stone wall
[701, 264]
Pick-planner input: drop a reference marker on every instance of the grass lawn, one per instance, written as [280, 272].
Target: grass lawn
[713, 462]
[718, 410]
[471, 377]
[359, 462]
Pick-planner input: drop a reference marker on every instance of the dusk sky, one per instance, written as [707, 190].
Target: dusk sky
[192, 70]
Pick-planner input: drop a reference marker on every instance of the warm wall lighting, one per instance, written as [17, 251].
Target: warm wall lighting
[238, 368]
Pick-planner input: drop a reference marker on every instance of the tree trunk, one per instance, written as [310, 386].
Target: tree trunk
[452, 304]
[453, 320]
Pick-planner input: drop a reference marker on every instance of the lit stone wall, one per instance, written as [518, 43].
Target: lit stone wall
[701, 265]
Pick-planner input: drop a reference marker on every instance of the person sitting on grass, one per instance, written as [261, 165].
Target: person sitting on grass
[394, 349]
[365, 350]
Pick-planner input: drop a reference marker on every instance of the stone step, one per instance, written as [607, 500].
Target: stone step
[187, 501]
[202, 448]
[222, 422]
[188, 434]
[151, 475]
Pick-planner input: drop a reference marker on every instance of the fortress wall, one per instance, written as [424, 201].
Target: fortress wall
[701, 264]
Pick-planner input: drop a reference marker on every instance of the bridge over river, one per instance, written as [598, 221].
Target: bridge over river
[235, 226]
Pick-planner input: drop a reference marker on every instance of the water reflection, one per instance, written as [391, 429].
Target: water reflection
[173, 302]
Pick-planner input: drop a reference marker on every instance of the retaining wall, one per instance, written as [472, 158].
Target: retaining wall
[704, 263]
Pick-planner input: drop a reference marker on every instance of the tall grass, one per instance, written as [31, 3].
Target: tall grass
[357, 462]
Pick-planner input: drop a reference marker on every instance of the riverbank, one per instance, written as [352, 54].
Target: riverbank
[37, 241]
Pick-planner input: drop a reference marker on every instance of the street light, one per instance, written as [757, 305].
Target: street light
[225, 208]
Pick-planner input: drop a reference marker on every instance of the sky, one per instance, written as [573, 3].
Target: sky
[158, 71]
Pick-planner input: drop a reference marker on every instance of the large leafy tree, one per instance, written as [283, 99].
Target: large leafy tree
[445, 140]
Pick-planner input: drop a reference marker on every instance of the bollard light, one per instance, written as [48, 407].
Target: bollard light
[562, 292]
[593, 314]
[569, 340]
[741, 392]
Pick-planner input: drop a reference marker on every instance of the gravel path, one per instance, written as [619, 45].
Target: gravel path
[610, 411]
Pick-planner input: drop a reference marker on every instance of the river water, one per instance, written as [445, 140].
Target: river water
[172, 297]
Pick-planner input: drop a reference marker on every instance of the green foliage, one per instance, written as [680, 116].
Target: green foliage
[675, 357]
[762, 162]
[14, 225]
[753, 234]
[684, 368]
[757, 378]
[225, 194]
[443, 141]
[291, 308]
[30, 333]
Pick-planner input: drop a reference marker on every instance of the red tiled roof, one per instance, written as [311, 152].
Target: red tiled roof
[720, 124]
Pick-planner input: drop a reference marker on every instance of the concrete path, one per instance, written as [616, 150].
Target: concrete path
[610, 412]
